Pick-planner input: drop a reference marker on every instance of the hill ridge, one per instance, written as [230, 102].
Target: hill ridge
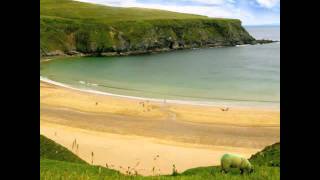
[77, 28]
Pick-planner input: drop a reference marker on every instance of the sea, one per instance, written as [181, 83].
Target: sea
[245, 75]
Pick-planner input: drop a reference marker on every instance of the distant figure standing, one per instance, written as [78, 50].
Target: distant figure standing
[224, 109]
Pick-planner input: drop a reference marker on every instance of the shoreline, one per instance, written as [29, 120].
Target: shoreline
[83, 101]
[222, 104]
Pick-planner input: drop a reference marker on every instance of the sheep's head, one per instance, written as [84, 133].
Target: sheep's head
[251, 170]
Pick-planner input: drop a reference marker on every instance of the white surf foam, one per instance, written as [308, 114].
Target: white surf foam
[169, 101]
[243, 45]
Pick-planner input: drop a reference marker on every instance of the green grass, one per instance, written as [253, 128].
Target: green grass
[51, 169]
[269, 156]
[66, 165]
[67, 25]
[87, 12]
[51, 150]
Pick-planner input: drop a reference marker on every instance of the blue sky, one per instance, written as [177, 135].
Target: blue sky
[250, 12]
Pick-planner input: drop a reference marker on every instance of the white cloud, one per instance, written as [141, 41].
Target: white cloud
[211, 2]
[268, 3]
[124, 3]
[225, 10]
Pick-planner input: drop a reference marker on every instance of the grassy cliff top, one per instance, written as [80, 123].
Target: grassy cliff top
[68, 26]
[69, 9]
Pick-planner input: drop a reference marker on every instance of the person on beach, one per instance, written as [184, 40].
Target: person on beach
[225, 109]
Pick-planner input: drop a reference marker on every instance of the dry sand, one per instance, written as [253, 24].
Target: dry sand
[141, 153]
[123, 132]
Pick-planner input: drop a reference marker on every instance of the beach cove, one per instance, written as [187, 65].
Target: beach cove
[128, 92]
[104, 106]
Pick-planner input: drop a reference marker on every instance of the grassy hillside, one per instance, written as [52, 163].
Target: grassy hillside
[94, 13]
[65, 165]
[269, 156]
[74, 27]
[51, 150]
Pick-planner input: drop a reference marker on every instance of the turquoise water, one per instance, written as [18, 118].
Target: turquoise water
[243, 75]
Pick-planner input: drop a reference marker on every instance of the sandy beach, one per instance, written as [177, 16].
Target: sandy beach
[126, 132]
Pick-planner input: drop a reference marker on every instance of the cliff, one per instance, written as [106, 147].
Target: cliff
[69, 27]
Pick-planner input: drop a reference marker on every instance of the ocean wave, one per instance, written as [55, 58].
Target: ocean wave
[92, 84]
[243, 45]
[88, 83]
[47, 80]
[46, 60]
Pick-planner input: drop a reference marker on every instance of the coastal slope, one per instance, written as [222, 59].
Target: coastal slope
[75, 28]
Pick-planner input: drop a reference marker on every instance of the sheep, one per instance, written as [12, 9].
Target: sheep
[234, 161]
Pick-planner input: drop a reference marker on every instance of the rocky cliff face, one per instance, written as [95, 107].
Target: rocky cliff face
[59, 36]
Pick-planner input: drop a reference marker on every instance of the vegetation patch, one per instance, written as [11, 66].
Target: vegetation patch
[269, 156]
[51, 150]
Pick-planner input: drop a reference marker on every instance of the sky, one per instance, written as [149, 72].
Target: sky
[250, 12]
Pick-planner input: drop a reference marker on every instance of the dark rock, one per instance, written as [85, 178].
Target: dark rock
[73, 53]
[264, 41]
[55, 53]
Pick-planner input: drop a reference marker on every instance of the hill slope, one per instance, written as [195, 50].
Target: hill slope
[89, 12]
[74, 27]
[51, 150]
[269, 156]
